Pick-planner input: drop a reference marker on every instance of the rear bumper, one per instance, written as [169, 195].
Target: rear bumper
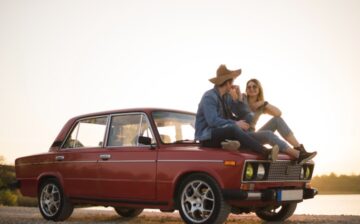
[266, 195]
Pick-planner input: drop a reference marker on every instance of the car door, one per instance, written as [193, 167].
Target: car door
[127, 168]
[77, 160]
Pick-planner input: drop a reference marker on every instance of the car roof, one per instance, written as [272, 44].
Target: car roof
[147, 110]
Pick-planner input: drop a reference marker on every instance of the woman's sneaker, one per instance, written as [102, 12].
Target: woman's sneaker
[305, 156]
[231, 145]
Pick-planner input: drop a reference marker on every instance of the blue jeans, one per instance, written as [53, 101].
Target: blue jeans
[275, 124]
[269, 137]
[233, 132]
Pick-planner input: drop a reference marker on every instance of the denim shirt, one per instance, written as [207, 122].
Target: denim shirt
[211, 114]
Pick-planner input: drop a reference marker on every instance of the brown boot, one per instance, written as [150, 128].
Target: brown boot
[304, 156]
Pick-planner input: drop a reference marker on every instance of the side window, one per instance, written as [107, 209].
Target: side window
[126, 129]
[175, 127]
[87, 133]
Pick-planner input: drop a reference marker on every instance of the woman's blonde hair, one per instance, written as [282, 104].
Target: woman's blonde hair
[260, 96]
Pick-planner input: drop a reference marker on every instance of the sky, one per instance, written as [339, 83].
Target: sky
[60, 59]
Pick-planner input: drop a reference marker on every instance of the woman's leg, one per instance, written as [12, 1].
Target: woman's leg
[278, 124]
[268, 137]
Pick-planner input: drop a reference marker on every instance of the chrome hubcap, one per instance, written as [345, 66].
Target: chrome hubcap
[50, 199]
[197, 201]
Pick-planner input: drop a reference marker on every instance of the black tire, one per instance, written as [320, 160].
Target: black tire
[200, 200]
[52, 202]
[280, 213]
[128, 212]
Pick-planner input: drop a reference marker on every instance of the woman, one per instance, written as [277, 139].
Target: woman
[254, 97]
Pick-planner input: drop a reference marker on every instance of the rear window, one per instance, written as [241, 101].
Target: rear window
[88, 132]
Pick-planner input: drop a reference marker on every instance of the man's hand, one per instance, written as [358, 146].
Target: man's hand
[235, 92]
[243, 125]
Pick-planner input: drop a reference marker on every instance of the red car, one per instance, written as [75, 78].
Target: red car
[147, 158]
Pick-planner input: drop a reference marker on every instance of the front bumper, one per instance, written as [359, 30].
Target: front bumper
[270, 194]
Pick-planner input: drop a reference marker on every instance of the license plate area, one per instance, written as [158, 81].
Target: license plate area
[289, 195]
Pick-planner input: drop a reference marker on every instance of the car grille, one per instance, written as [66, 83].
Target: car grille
[284, 170]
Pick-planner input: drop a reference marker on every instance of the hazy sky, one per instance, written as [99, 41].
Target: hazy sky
[59, 59]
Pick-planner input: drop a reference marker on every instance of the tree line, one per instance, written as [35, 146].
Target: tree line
[337, 184]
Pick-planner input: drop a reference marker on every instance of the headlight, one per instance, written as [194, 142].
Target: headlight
[307, 172]
[249, 172]
[260, 172]
[302, 173]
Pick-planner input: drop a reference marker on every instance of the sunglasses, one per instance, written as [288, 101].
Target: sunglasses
[251, 87]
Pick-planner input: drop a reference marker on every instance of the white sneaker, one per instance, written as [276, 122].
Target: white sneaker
[231, 145]
[273, 153]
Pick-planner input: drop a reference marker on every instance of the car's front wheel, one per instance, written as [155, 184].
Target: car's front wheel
[200, 200]
[279, 213]
[128, 212]
[53, 204]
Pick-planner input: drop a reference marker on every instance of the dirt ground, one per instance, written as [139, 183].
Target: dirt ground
[32, 215]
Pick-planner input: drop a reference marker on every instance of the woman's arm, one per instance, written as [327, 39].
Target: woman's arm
[272, 110]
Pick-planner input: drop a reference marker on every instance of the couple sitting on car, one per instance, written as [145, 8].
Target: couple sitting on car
[226, 119]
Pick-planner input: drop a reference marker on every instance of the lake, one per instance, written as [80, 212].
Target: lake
[331, 205]
[320, 205]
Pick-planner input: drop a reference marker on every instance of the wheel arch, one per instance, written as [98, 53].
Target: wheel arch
[50, 175]
[184, 175]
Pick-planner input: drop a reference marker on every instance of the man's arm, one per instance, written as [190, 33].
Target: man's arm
[212, 117]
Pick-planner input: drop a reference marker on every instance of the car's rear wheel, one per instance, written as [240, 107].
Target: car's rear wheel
[278, 213]
[200, 200]
[53, 204]
[128, 212]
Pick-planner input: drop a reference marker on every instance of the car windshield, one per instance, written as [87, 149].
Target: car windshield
[175, 127]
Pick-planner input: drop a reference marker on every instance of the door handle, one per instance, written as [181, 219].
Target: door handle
[59, 158]
[105, 156]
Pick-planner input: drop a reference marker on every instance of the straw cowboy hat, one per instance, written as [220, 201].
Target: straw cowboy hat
[223, 74]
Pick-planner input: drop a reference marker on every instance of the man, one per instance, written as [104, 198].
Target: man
[215, 126]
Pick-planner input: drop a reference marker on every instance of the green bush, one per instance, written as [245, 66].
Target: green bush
[26, 201]
[7, 197]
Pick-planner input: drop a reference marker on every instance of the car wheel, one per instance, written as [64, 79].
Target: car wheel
[53, 204]
[279, 213]
[128, 212]
[200, 200]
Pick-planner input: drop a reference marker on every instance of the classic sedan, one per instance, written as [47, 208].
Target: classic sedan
[147, 158]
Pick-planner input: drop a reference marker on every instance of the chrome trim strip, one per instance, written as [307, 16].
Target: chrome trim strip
[191, 161]
[90, 161]
[127, 161]
[275, 181]
[56, 162]
[29, 164]
[253, 195]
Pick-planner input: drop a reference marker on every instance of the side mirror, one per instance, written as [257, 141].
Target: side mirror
[56, 144]
[144, 140]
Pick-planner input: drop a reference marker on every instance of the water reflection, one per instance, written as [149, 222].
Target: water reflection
[331, 205]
